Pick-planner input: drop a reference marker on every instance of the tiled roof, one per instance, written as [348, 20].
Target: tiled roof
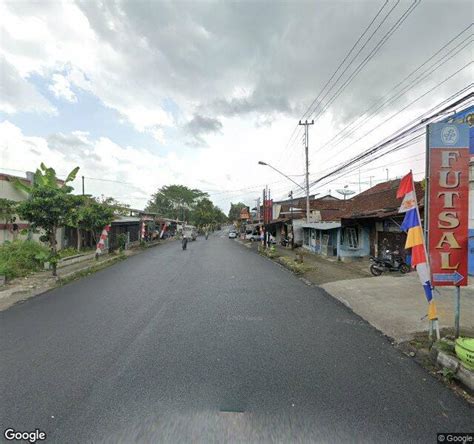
[380, 200]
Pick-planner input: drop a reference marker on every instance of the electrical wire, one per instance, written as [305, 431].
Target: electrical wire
[369, 113]
[296, 128]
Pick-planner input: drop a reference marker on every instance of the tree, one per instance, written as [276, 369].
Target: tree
[49, 205]
[204, 213]
[120, 209]
[234, 212]
[91, 214]
[7, 210]
[175, 201]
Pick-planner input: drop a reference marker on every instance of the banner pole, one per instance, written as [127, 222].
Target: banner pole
[457, 310]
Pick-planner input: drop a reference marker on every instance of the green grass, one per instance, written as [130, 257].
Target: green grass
[20, 257]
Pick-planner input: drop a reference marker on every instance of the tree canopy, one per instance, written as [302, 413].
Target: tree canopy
[234, 211]
[49, 204]
[175, 201]
[181, 202]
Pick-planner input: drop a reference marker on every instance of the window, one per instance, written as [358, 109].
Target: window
[351, 237]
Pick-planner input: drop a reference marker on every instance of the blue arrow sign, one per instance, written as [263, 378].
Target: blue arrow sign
[455, 277]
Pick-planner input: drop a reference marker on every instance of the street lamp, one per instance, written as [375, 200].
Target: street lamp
[306, 190]
[283, 174]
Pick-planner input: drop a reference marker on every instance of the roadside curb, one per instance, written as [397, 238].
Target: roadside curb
[15, 295]
[444, 360]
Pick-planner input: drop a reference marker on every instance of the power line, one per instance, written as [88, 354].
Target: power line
[296, 128]
[393, 138]
[369, 57]
[405, 107]
[369, 113]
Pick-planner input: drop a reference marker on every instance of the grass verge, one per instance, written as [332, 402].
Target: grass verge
[88, 271]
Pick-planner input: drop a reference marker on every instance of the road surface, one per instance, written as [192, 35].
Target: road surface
[212, 344]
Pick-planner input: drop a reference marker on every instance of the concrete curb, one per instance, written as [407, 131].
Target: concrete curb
[461, 373]
[90, 266]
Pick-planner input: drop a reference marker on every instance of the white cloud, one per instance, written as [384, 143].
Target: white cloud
[61, 87]
[17, 94]
[246, 72]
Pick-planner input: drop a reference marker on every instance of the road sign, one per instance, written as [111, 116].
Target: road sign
[449, 278]
[448, 151]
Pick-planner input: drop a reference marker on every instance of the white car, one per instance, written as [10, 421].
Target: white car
[232, 235]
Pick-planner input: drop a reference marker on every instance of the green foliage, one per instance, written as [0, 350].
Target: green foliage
[70, 251]
[207, 214]
[234, 212]
[175, 201]
[119, 209]
[90, 214]
[7, 210]
[122, 241]
[18, 258]
[448, 374]
[49, 205]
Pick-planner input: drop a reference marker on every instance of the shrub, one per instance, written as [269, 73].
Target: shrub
[122, 239]
[18, 258]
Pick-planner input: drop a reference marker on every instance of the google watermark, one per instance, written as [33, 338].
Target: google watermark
[456, 437]
[36, 435]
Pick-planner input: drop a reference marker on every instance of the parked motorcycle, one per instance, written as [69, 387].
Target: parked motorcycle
[389, 262]
[285, 242]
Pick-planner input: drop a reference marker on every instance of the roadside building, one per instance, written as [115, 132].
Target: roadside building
[15, 227]
[367, 224]
[128, 225]
[374, 214]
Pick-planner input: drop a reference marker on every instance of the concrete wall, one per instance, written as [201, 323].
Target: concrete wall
[345, 252]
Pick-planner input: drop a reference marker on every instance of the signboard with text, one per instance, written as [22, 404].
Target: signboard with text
[448, 151]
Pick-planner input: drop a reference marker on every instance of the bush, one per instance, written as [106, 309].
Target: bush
[122, 239]
[18, 258]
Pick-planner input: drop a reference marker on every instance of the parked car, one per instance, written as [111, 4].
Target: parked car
[232, 235]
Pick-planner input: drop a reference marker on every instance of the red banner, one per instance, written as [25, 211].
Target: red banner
[268, 211]
[448, 203]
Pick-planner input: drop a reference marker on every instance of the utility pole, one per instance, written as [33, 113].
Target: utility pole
[264, 208]
[386, 169]
[291, 212]
[83, 185]
[306, 124]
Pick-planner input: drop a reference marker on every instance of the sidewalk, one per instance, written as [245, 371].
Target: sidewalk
[393, 303]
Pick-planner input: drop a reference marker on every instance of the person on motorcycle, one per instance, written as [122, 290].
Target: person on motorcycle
[184, 242]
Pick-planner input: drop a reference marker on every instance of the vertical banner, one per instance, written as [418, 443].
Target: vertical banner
[268, 210]
[448, 151]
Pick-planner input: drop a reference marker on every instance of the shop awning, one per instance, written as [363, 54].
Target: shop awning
[322, 225]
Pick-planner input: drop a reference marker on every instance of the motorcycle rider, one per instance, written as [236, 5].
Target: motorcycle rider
[184, 242]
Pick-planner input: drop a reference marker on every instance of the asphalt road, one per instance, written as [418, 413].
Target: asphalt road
[212, 344]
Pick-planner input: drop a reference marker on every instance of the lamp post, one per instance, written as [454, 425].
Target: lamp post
[306, 190]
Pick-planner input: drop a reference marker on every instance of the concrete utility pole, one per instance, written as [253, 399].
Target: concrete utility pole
[306, 124]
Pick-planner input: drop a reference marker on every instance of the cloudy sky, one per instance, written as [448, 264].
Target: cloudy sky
[145, 94]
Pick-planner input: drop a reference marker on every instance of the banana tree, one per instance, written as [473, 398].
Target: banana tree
[48, 206]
